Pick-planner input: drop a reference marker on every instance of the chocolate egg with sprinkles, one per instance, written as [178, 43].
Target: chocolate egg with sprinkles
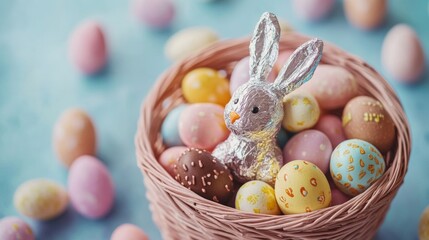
[202, 173]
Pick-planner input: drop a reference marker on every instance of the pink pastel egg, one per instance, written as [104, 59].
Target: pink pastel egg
[402, 54]
[282, 59]
[310, 145]
[202, 125]
[128, 232]
[13, 228]
[338, 197]
[332, 127]
[154, 13]
[87, 47]
[90, 187]
[313, 10]
[332, 86]
[240, 74]
[169, 157]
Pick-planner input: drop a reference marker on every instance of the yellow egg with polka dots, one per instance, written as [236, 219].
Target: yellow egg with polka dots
[257, 197]
[206, 85]
[301, 111]
[301, 187]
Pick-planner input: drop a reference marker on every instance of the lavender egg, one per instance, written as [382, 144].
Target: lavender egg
[313, 10]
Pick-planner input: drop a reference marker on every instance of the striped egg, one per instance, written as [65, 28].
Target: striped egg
[355, 166]
[257, 197]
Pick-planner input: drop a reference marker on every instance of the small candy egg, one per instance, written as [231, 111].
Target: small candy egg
[355, 166]
[282, 138]
[313, 10]
[338, 197]
[331, 126]
[301, 111]
[201, 125]
[169, 157]
[188, 41]
[241, 74]
[203, 85]
[13, 228]
[128, 232]
[332, 86]
[402, 54]
[74, 136]
[40, 199]
[154, 13]
[257, 197]
[285, 27]
[281, 60]
[365, 118]
[90, 187]
[87, 47]
[310, 145]
[365, 14]
[203, 174]
[170, 127]
[424, 225]
[301, 187]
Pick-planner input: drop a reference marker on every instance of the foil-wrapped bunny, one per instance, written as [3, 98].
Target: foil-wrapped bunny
[255, 111]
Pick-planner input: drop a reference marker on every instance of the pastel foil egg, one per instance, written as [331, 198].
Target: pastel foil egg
[310, 145]
[301, 111]
[128, 232]
[402, 54]
[170, 127]
[201, 125]
[313, 10]
[199, 171]
[87, 47]
[240, 75]
[365, 14]
[154, 13]
[424, 225]
[355, 165]
[332, 86]
[332, 127]
[13, 228]
[205, 85]
[301, 187]
[74, 136]
[257, 197]
[40, 199]
[90, 187]
[169, 157]
[189, 41]
[365, 118]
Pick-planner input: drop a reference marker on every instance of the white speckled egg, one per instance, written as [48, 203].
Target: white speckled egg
[402, 54]
[301, 187]
[40, 199]
[188, 41]
[355, 166]
[301, 111]
[257, 197]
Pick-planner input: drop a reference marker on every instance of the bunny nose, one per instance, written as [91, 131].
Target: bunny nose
[233, 116]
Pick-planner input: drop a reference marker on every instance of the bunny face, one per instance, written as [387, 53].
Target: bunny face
[254, 107]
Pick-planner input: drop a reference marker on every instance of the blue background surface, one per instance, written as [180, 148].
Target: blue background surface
[37, 83]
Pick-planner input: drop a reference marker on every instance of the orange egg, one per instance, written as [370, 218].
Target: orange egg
[365, 14]
[128, 232]
[74, 136]
[206, 85]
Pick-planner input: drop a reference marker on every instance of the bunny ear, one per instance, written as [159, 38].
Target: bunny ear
[264, 47]
[300, 66]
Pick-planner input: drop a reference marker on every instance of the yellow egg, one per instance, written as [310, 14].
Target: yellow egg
[257, 197]
[40, 199]
[301, 187]
[301, 111]
[205, 85]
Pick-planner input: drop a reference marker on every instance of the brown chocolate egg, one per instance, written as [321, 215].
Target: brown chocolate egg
[365, 118]
[202, 173]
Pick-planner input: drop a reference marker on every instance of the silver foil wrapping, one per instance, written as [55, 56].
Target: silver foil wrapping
[255, 111]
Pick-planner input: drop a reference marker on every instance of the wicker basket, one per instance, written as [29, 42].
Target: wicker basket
[182, 214]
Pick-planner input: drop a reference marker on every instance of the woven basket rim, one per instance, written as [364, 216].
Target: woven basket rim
[149, 143]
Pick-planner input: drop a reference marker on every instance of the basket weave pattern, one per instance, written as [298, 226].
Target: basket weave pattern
[182, 214]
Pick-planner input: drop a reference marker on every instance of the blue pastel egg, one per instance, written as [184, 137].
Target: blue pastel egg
[170, 127]
[282, 138]
[355, 165]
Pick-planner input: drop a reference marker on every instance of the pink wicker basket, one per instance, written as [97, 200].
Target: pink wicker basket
[182, 214]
